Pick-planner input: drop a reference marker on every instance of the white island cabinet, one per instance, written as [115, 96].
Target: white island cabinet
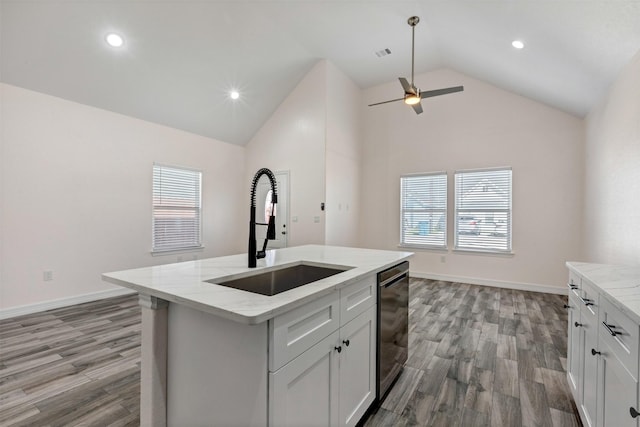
[214, 355]
[603, 345]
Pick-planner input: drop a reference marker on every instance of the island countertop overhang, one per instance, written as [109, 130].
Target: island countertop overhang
[185, 282]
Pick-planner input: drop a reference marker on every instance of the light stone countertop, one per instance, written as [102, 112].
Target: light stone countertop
[184, 282]
[620, 284]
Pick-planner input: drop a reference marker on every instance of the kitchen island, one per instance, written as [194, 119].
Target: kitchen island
[215, 355]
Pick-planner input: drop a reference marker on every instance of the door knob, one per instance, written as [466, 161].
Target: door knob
[567, 306]
[633, 412]
[577, 324]
[346, 342]
[338, 348]
[594, 352]
[284, 232]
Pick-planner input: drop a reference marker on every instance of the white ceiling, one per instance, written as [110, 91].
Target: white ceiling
[182, 57]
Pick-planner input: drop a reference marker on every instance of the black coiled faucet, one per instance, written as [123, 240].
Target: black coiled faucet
[254, 254]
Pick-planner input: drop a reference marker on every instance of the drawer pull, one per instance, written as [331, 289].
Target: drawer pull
[609, 329]
[577, 325]
[338, 348]
[594, 352]
[587, 301]
[633, 412]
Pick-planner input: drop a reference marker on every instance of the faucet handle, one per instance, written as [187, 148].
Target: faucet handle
[261, 254]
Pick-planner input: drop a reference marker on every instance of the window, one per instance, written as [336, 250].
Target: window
[483, 210]
[423, 210]
[176, 208]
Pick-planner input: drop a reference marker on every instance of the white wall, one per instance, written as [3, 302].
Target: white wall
[293, 139]
[77, 194]
[480, 127]
[343, 140]
[612, 173]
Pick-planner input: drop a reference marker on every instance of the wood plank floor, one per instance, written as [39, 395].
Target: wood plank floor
[481, 356]
[477, 356]
[78, 365]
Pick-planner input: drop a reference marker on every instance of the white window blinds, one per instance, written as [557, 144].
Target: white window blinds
[176, 208]
[483, 210]
[423, 210]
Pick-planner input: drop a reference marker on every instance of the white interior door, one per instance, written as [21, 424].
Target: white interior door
[263, 209]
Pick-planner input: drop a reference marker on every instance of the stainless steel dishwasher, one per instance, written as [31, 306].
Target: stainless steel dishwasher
[393, 325]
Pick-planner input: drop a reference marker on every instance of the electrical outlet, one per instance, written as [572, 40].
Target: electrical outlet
[47, 275]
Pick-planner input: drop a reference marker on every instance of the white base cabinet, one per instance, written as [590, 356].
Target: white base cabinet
[330, 384]
[602, 356]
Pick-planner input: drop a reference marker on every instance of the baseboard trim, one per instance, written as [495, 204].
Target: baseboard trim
[533, 287]
[7, 313]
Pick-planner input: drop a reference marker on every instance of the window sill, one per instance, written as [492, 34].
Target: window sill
[177, 251]
[424, 248]
[486, 252]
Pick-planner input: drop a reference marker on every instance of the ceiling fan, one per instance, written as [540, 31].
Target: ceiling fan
[412, 94]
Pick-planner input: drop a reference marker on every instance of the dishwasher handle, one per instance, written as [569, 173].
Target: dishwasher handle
[391, 274]
[394, 280]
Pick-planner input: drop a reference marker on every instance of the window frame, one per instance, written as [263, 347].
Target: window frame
[444, 212]
[196, 242]
[477, 248]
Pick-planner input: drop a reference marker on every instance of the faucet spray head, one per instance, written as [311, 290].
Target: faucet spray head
[271, 228]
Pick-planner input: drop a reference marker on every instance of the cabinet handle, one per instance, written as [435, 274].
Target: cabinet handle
[587, 301]
[338, 348]
[633, 412]
[346, 342]
[594, 352]
[609, 329]
[577, 324]
[567, 306]
[572, 286]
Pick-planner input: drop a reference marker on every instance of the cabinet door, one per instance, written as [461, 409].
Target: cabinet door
[573, 348]
[619, 392]
[589, 362]
[304, 392]
[357, 367]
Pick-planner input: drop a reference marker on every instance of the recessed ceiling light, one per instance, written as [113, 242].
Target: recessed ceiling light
[234, 94]
[114, 40]
[517, 44]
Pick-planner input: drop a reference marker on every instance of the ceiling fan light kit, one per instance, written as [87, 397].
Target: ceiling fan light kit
[412, 94]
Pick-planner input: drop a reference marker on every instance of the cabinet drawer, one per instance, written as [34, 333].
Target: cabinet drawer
[295, 331]
[574, 284]
[621, 335]
[588, 297]
[356, 298]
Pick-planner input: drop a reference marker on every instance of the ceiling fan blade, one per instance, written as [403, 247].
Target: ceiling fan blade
[417, 108]
[437, 92]
[406, 86]
[386, 102]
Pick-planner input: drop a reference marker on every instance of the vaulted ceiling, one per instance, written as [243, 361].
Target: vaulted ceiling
[181, 58]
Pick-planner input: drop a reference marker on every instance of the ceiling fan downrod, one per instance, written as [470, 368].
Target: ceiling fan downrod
[413, 21]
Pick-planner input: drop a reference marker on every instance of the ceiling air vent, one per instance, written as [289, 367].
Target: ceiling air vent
[383, 52]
